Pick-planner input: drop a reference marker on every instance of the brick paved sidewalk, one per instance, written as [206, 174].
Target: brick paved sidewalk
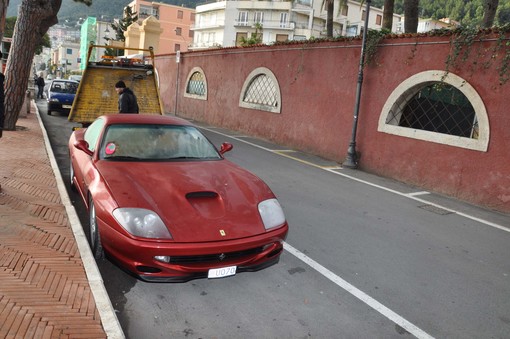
[46, 290]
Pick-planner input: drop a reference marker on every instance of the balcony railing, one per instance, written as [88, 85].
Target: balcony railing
[203, 45]
[146, 15]
[265, 24]
[213, 1]
[205, 25]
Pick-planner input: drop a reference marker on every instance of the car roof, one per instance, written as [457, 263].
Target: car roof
[144, 119]
[64, 80]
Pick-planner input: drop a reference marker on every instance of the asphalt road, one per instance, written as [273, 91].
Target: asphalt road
[366, 257]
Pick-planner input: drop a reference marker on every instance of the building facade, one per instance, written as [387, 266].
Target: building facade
[175, 22]
[229, 23]
[97, 32]
[427, 25]
[66, 58]
[61, 33]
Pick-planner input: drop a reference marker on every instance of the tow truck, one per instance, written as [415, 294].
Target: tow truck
[96, 93]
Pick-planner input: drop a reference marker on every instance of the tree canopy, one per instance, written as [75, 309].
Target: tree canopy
[9, 30]
[465, 12]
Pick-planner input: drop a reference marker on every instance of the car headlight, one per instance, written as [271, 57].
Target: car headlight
[54, 100]
[142, 223]
[271, 213]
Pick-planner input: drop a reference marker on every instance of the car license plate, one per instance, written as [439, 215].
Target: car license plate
[222, 272]
[67, 106]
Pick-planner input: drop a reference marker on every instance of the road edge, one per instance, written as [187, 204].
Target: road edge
[104, 306]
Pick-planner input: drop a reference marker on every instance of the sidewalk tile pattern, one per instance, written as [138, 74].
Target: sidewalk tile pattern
[44, 291]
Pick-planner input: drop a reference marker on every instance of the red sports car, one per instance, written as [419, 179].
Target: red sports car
[166, 205]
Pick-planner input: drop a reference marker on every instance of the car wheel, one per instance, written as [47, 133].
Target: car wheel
[71, 175]
[49, 111]
[94, 238]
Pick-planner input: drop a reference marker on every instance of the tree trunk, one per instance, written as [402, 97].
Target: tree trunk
[34, 20]
[490, 7]
[329, 19]
[388, 14]
[411, 16]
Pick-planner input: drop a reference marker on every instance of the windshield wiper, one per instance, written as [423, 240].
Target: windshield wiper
[121, 157]
[182, 157]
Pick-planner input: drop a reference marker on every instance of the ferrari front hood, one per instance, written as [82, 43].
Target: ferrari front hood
[197, 201]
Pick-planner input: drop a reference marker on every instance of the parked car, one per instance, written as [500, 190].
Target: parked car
[75, 77]
[60, 95]
[166, 205]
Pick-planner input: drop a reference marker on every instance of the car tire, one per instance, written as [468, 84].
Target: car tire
[49, 111]
[94, 237]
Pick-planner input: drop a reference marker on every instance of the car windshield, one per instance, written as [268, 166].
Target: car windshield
[130, 142]
[64, 87]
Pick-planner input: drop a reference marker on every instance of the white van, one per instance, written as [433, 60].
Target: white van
[75, 77]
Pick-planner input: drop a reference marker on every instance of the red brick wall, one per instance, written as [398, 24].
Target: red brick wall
[318, 89]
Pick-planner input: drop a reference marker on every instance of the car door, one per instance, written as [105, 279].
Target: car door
[85, 169]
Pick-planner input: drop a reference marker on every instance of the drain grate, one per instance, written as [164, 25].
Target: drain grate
[435, 209]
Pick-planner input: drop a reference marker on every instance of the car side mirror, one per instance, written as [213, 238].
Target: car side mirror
[225, 147]
[82, 145]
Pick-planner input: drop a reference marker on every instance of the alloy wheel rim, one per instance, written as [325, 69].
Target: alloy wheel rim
[71, 172]
[93, 226]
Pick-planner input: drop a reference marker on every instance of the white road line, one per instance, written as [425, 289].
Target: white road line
[414, 330]
[418, 193]
[412, 196]
[409, 327]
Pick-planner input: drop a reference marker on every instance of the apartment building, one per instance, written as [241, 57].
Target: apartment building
[228, 23]
[62, 33]
[175, 21]
[66, 58]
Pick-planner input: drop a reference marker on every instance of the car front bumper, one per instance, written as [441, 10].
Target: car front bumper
[191, 260]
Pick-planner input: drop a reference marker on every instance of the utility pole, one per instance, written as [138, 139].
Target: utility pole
[351, 161]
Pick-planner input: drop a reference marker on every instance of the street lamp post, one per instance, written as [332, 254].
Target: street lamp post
[351, 161]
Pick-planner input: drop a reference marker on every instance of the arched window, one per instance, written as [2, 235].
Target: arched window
[196, 84]
[439, 108]
[261, 91]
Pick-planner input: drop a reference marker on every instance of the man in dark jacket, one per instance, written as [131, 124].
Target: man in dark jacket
[127, 99]
[40, 86]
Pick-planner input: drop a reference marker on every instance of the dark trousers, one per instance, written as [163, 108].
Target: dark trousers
[40, 92]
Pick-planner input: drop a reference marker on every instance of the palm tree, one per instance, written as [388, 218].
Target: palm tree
[330, 9]
[388, 14]
[490, 7]
[411, 16]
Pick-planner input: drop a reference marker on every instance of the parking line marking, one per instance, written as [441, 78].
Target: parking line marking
[418, 193]
[296, 159]
[368, 300]
[344, 284]
[407, 195]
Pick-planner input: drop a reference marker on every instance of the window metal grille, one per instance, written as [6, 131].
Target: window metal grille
[436, 107]
[262, 91]
[196, 84]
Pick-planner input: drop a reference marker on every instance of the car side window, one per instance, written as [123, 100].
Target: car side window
[72, 87]
[92, 133]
